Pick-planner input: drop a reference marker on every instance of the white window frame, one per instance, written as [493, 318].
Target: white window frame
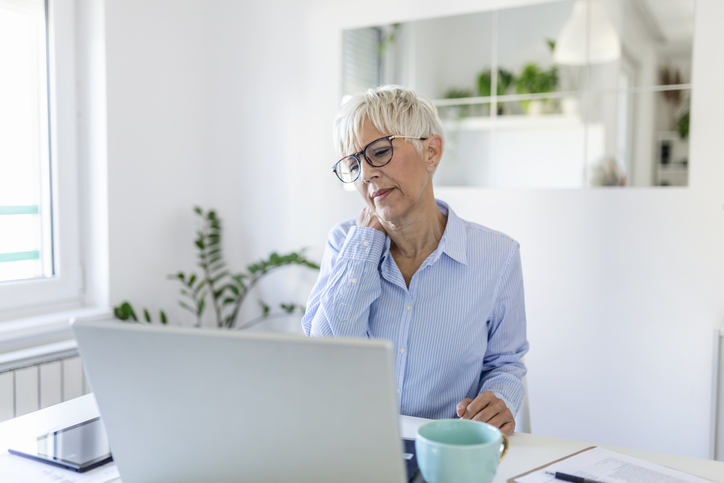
[65, 289]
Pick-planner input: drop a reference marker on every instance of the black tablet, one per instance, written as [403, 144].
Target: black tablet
[80, 447]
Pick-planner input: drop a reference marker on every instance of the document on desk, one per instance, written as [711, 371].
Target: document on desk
[15, 469]
[608, 466]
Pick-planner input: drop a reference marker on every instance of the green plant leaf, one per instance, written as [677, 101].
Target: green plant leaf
[201, 285]
[164, 320]
[219, 276]
[146, 315]
[534, 80]
[128, 311]
[683, 125]
[288, 308]
[181, 276]
[187, 307]
[217, 267]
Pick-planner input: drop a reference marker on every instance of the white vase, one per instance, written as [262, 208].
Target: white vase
[536, 107]
[570, 106]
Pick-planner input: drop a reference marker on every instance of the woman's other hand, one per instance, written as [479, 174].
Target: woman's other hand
[489, 409]
[368, 219]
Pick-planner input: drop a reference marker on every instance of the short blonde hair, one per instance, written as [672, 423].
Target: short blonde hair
[392, 110]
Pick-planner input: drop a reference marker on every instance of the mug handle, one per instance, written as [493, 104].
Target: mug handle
[504, 447]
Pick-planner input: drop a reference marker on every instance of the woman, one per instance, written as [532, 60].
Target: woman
[448, 293]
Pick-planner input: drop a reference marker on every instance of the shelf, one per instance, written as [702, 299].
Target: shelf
[673, 171]
[514, 122]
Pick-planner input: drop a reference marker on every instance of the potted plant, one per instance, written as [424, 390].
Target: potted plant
[217, 286]
[535, 80]
[485, 82]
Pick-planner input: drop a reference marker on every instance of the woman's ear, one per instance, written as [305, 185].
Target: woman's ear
[433, 152]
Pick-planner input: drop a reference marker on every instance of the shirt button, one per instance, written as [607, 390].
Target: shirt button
[366, 243]
[398, 390]
[408, 307]
[402, 350]
[354, 280]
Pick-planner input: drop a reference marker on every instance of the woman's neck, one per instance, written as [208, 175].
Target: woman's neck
[419, 234]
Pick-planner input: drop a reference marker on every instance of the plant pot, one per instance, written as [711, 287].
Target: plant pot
[570, 106]
[536, 107]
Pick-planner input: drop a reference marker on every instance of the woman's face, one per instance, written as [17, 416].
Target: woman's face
[395, 190]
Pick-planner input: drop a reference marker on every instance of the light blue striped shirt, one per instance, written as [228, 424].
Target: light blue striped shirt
[459, 330]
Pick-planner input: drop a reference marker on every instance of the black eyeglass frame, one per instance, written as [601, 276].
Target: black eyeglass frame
[364, 155]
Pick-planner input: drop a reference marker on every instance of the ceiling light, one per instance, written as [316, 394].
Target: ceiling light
[603, 42]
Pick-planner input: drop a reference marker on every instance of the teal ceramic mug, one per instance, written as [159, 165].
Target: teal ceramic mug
[459, 451]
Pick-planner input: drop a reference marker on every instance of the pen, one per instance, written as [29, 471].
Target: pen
[574, 479]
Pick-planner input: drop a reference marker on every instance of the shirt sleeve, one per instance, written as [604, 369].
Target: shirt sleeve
[503, 368]
[348, 284]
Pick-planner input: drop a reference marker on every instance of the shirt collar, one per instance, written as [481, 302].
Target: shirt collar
[453, 242]
[454, 238]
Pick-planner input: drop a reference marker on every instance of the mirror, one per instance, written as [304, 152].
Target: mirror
[565, 94]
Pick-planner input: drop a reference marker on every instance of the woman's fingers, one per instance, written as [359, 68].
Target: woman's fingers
[487, 408]
[462, 406]
[368, 218]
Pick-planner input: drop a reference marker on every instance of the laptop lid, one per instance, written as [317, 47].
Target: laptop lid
[190, 405]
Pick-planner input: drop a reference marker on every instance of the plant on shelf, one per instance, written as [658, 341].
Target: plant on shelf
[683, 125]
[225, 291]
[534, 80]
[485, 82]
[463, 110]
[679, 99]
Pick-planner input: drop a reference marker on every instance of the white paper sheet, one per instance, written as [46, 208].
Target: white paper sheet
[16, 469]
[608, 466]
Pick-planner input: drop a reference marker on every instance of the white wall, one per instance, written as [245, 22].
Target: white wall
[200, 113]
[624, 286]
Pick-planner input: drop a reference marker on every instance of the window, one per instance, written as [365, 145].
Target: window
[26, 249]
[362, 65]
[39, 252]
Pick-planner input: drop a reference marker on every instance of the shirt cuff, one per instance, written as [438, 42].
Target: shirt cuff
[364, 244]
[508, 403]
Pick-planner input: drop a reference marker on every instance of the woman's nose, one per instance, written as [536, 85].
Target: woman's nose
[368, 172]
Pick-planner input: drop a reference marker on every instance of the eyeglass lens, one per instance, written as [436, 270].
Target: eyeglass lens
[379, 153]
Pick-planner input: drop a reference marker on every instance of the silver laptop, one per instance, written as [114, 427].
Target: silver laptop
[193, 405]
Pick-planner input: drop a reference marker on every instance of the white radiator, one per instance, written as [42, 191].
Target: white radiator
[39, 377]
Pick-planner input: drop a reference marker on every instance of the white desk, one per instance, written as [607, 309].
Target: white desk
[527, 451]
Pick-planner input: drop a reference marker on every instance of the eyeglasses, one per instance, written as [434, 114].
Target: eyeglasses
[377, 154]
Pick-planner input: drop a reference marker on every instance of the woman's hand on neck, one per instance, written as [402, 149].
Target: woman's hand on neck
[368, 218]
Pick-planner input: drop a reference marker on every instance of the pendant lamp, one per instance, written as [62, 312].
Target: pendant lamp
[604, 44]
